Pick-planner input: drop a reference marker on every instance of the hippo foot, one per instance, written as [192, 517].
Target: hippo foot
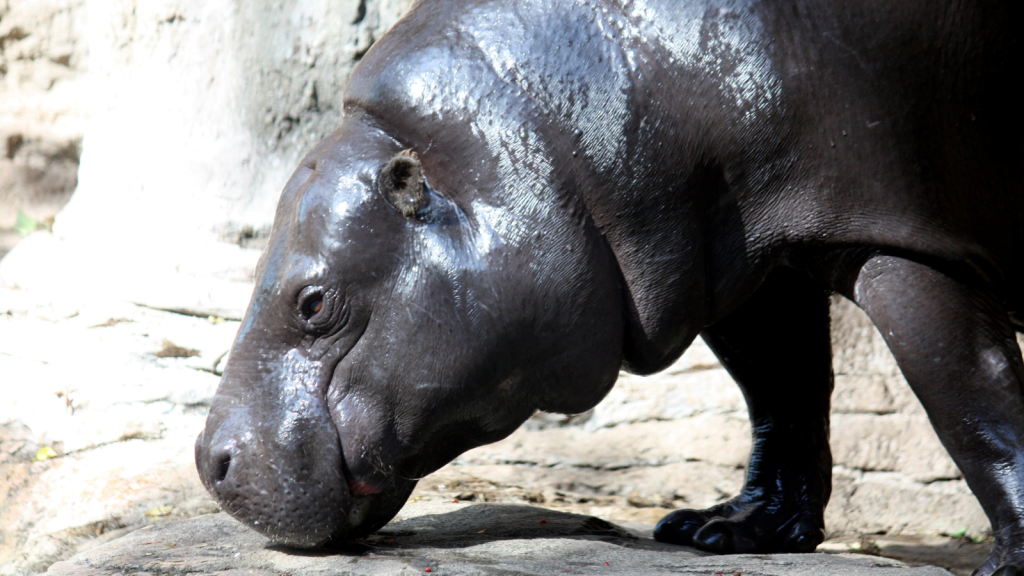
[743, 526]
[998, 563]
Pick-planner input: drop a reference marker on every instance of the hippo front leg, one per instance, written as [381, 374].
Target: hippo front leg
[778, 349]
[956, 346]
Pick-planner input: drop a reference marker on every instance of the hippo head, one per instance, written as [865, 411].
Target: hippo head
[432, 279]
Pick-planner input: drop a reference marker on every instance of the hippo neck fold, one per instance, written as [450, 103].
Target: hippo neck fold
[663, 184]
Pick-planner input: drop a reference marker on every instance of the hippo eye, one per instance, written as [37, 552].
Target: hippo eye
[311, 302]
[314, 306]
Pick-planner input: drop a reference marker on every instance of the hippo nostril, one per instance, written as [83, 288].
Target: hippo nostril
[222, 467]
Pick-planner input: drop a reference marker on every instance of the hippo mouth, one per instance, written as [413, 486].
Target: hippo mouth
[290, 486]
[298, 507]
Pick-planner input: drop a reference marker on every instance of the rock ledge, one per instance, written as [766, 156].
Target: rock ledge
[450, 539]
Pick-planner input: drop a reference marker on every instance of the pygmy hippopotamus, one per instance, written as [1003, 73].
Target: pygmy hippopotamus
[526, 196]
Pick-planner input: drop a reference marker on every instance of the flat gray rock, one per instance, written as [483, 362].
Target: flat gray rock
[484, 539]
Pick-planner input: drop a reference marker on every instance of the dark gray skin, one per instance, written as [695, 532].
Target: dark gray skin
[527, 195]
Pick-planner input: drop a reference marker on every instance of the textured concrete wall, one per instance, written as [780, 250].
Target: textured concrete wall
[43, 58]
[201, 110]
[198, 112]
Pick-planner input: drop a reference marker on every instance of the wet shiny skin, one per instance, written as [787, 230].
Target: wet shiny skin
[604, 181]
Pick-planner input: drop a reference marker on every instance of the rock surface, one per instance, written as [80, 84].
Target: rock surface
[92, 386]
[43, 66]
[450, 539]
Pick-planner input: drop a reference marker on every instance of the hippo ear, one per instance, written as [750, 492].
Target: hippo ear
[401, 182]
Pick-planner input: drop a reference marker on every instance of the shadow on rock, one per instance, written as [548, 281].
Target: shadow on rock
[476, 524]
[469, 526]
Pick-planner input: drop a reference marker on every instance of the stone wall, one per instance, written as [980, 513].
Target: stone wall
[892, 472]
[202, 109]
[198, 112]
[43, 62]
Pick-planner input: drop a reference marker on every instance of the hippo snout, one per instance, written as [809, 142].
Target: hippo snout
[283, 478]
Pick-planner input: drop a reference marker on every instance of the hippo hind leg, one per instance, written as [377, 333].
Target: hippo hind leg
[956, 345]
[777, 347]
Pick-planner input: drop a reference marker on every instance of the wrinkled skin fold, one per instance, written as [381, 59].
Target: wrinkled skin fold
[524, 197]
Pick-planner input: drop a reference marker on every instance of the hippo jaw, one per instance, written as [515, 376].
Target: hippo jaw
[278, 466]
[300, 505]
[305, 509]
